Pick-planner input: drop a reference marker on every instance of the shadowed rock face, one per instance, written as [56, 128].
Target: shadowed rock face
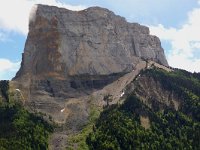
[69, 54]
[63, 43]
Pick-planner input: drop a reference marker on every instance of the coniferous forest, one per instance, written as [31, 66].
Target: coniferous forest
[20, 129]
[119, 127]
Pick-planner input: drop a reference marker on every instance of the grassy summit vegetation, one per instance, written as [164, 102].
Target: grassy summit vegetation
[119, 127]
[20, 129]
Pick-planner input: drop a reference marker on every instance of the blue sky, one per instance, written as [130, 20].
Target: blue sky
[175, 22]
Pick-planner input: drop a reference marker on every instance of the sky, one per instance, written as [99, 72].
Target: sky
[175, 22]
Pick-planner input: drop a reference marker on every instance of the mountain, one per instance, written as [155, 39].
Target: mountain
[91, 80]
[70, 54]
[63, 43]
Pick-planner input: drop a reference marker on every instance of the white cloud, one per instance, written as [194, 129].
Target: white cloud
[14, 14]
[195, 45]
[185, 42]
[7, 68]
[182, 61]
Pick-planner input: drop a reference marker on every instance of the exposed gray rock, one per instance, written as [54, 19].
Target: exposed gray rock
[69, 54]
[94, 41]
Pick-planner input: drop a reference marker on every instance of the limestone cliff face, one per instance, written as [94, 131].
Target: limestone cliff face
[69, 55]
[63, 43]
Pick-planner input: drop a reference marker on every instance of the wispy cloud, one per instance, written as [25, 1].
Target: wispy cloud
[185, 42]
[7, 68]
[14, 14]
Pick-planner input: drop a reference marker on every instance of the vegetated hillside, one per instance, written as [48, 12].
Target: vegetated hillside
[161, 112]
[20, 129]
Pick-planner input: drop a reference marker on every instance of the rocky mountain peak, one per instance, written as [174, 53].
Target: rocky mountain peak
[69, 55]
[93, 41]
[91, 78]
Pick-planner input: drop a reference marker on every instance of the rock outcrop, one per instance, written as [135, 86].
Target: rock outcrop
[69, 54]
[63, 43]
